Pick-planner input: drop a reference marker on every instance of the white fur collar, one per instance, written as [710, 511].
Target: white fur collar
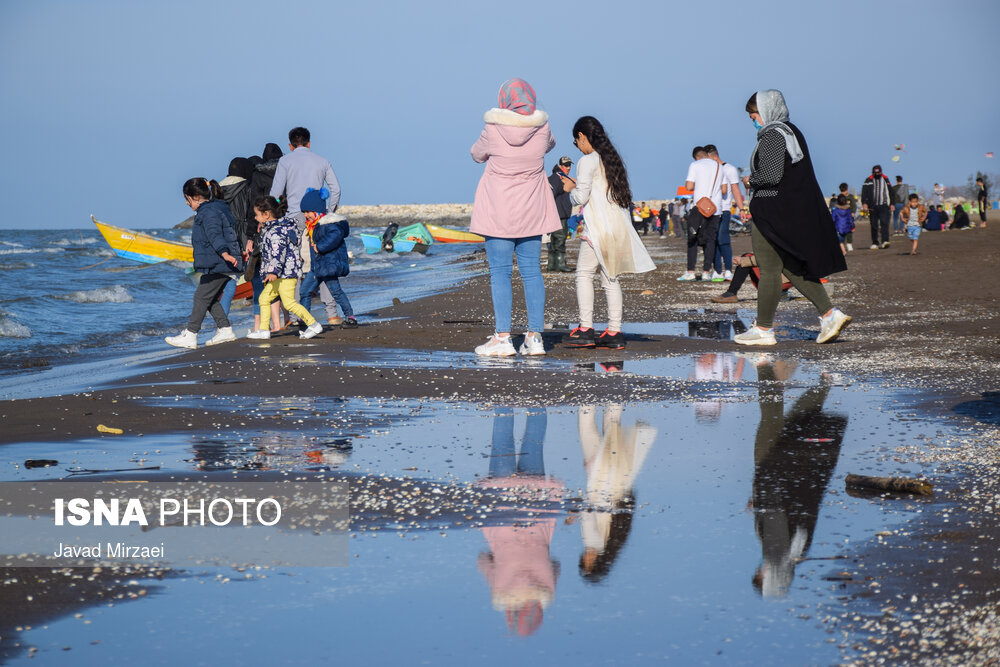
[329, 218]
[508, 117]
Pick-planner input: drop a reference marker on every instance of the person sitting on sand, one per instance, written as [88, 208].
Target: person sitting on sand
[324, 253]
[216, 256]
[280, 267]
[512, 209]
[960, 219]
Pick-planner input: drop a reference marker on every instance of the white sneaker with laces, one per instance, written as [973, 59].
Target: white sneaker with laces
[532, 345]
[850, 247]
[688, 275]
[756, 336]
[706, 277]
[259, 334]
[186, 339]
[831, 326]
[223, 335]
[312, 330]
[873, 247]
[717, 277]
[727, 276]
[496, 346]
[885, 244]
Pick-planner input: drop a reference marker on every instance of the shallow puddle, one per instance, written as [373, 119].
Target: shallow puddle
[699, 531]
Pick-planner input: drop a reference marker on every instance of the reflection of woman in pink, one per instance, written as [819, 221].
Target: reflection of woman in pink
[518, 568]
[612, 460]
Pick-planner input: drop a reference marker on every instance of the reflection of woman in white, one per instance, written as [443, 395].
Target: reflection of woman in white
[610, 244]
[612, 461]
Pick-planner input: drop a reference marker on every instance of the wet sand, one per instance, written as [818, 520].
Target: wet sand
[925, 325]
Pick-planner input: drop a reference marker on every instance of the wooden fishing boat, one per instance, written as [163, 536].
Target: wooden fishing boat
[412, 238]
[446, 235]
[142, 247]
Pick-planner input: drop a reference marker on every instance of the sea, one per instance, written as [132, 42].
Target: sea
[70, 299]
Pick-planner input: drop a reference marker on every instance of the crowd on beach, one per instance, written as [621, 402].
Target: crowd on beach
[274, 220]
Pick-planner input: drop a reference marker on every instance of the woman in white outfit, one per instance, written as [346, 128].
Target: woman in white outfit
[609, 242]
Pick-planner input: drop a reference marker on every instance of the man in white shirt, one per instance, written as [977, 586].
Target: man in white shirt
[705, 179]
[723, 269]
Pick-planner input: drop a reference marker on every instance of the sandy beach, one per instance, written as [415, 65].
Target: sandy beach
[923, 343]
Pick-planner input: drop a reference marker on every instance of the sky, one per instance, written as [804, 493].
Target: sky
[109, 106]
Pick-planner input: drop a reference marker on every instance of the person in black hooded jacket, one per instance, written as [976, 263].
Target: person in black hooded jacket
[236, 191]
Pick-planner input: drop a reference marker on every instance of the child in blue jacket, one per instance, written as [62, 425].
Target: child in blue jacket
[843, 219]
[324, 253]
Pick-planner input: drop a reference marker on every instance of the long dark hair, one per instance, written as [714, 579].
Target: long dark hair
[276, 209]
[619, 191]
[202, 188]
[621, 527]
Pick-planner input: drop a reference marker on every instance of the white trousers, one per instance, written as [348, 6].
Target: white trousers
[586, 266]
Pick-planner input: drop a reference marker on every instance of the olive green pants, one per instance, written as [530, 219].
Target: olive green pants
[772, 264]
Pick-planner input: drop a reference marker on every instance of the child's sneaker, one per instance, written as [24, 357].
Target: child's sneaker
[335, 321]
[259, 334]
[706, 277]
[312, 330]
[532, 345]
[186, 339]
[580, 337]
[728, 276]
[873, 246]
[717, 277]
[756, 336]
[831, 326]
[350, 323]
[850, 247]
[223, 335]
[612, 341]
[687, 276]
[496, 347]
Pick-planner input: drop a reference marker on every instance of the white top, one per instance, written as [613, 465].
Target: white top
[730, 177]
[703, 172]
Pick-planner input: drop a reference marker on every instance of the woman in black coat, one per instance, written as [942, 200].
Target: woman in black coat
[793, 232]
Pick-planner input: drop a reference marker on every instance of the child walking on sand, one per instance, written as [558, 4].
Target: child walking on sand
[610, 244]
[843, 219]
[324, 253]
[914, 213]
[280, 267]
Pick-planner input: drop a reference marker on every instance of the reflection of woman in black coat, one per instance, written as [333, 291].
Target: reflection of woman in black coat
[793, 232]
[794, 456]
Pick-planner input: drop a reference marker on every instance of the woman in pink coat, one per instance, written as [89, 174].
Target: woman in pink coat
[513, 208]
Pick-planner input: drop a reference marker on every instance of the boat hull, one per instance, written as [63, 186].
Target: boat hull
[142, 247]
[446, 235]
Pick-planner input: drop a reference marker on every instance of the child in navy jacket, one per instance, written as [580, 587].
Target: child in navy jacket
[324, 253]
[843, 219]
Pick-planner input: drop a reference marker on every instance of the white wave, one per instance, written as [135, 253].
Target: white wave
[76, 241]
[27, 251]
[11, 328]
[113, 294]
[12, 244]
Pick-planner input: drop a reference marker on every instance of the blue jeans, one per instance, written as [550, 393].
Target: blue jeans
[723, 248]
[505, 460]
[226, 298]
[500, 256]
[309, 284]
[897, 222]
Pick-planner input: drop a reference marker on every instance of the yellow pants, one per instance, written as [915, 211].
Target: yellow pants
[283, 288]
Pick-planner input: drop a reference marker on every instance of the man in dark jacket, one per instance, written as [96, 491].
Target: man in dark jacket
[557, 240]
[876, 198]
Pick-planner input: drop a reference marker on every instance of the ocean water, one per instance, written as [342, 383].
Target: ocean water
[74, 300]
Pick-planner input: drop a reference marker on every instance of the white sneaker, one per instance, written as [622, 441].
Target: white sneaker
[186, 339]
[873, 247]
[706, 277]
[830, 327]
[223, 335]
[885, 244]
[850, 247]
[532, 346]
[259, 334]
[688, 275]
[311, 330]
[717, 277]
[496, 347]
[727, 276]
[756, 336]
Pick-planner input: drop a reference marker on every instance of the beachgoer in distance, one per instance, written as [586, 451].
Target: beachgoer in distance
[852, 205]
[609, 243]
[960, 220]
[723, 246]
[324, 253]
[664, 218]
[216, 256]
[939, 191]
[793, 232]
[900, 194]
[513, 208]
[981, 200]
[557, 239]
[915, 214]
[704, 178]
[280, 267]
[843, 220]
[876, 198]
[297, 172]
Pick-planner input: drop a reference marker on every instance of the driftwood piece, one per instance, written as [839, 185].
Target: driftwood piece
[920, 487]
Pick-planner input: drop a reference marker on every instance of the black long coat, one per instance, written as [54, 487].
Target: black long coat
[798, 222]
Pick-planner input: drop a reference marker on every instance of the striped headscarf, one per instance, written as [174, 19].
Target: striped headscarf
[517, 95]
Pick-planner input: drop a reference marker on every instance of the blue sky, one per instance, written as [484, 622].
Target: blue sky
[110, 106]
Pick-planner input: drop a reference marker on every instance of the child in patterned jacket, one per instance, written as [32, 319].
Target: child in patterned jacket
[280, 267]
